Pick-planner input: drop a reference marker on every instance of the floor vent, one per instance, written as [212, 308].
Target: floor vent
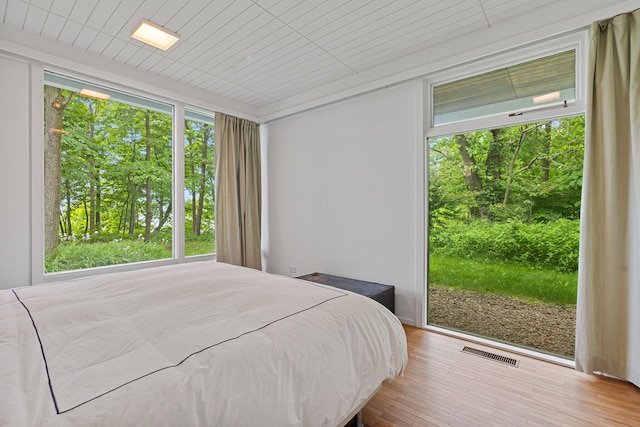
[492, 356]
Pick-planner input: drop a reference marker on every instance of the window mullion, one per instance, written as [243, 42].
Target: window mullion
[178, 183]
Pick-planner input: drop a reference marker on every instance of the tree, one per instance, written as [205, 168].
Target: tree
[471, 176]
[525, 173]
[199, 172]
[54, 102]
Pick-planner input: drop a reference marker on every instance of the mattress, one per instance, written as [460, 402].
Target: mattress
[201, 343]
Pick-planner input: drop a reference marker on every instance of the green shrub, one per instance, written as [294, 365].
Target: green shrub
[552, 245]
[75, 255]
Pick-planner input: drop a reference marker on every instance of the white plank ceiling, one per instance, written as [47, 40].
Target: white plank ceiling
[258, 52]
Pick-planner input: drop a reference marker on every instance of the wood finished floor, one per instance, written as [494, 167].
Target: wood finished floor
[444, 387]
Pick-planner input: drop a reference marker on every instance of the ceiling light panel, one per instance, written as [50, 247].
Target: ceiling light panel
[154, 35]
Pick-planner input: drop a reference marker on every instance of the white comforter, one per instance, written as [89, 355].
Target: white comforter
[198, 344]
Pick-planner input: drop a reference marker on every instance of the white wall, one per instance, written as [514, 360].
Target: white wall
[342, 186]
[15, 174]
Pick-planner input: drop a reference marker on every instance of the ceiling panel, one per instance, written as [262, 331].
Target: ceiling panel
[268, 4]
[127, 52]
[238, 47]
[173, 68]
[114, 47]
[16, 13]
[81, 10]
[257, 55]
[399, 24]
[62, 7]
[231, 20]
[100, 43]
[141, 56]
[122, 17]
[277, 8]
[161, 65]
[151, 61]
[85, 38]
[264, 51]
[267, 58]
[324, 14]
[35, 19]
[414, 35]
[53, 26]
[369, 17]
[193, 12]
[102, 13]
[42, 4]
[69, 32]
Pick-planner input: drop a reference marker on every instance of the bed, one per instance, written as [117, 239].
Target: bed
[197, 344]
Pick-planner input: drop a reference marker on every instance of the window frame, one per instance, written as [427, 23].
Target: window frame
[577, 41]
[38, 275]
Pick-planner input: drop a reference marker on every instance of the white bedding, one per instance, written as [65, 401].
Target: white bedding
[191, 345]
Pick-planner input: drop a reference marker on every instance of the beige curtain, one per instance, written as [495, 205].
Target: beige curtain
[608, 311]
[238, 191]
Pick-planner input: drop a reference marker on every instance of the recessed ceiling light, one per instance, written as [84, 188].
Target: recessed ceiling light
[154, 35]
[552, 96]
[94, 94]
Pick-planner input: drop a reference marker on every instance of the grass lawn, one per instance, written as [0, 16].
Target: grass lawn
[199, 247]
[502, 278]
[79, 255]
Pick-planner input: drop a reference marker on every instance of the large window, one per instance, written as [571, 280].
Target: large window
[109, 177]
[504, 203]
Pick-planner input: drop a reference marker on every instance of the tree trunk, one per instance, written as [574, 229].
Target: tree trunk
[512, 162]
[191, 185]
[53, 116]
[203, 178]
[92, 196]
[87, 215]
[163, 218]
[98, 198]
[493, 165]
[67, 188]
[148, 212]
[124, 214]
[132, 208]
[194, 210]
[546, 152]
[471, 176]
[92, 176]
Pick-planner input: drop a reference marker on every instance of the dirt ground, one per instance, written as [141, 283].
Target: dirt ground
[545, 328]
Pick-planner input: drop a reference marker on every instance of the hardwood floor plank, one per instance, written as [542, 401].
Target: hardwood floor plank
[443, 386]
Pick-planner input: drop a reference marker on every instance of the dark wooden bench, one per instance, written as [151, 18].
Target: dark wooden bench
[384, 294]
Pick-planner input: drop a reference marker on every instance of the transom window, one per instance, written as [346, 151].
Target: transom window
[543, 82]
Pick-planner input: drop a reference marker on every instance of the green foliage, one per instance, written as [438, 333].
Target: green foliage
[503, 278]
[526, 173]
[77, 254]
[552, 245]
[102, 249]
[117, 161]
[509, 194]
